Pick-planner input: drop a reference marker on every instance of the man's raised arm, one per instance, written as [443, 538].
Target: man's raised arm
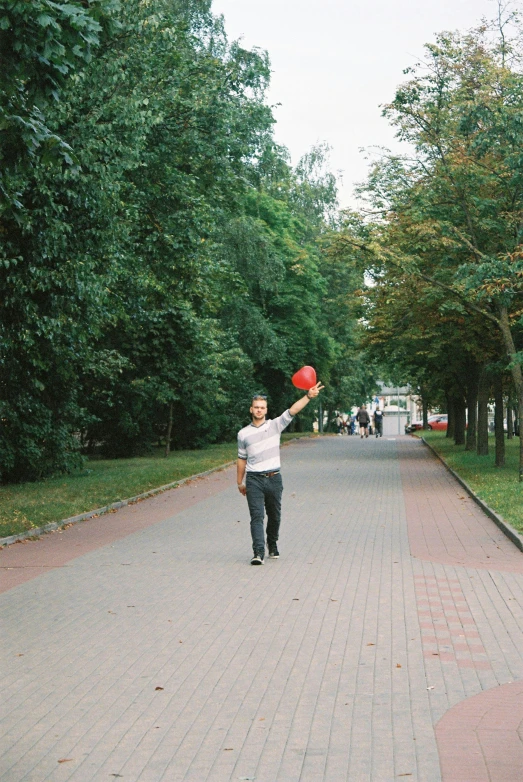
[301, 403]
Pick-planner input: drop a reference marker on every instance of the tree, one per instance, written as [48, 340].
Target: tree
[460, 197]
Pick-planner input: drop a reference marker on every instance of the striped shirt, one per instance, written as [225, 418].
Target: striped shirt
[260, 445]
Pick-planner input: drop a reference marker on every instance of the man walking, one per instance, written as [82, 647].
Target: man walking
[363, 420]
[258, 470]
[378, 422]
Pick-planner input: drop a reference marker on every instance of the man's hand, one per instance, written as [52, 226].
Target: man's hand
[315, 390]
[300, 404]
[242, 489]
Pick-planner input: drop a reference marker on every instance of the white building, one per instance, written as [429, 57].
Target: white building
[399, 406]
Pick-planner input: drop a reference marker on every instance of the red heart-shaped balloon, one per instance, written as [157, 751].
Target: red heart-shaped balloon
[304, 378]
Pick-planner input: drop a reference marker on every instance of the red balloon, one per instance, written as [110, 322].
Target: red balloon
[304, 378]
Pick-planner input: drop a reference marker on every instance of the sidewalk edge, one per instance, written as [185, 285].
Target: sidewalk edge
[504, 526]
[54, 525]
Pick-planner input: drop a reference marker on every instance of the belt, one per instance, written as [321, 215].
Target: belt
[264, 474]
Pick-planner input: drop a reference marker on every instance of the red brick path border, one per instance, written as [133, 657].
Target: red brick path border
[448, 629]
[481, 738]
[445, 525]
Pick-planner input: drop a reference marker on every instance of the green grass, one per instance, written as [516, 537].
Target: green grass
[27, 506]
[498, 487]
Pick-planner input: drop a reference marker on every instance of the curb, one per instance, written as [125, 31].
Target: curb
[33, 533]
[504, 526]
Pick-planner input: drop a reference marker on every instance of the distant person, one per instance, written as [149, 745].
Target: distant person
[363, 419]
[258, 470]
[378, 422]
[339, 424]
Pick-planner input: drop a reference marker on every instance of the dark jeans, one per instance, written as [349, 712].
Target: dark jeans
[264, 494]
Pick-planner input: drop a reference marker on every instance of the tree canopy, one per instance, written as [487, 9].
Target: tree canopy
[161, 259]
[444, 234]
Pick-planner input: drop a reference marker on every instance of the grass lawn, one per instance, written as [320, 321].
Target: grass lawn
[498, 487]
[26, 506]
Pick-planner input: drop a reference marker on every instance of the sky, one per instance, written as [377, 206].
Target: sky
[335, 62]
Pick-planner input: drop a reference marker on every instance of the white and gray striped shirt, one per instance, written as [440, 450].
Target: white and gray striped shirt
[260, 445]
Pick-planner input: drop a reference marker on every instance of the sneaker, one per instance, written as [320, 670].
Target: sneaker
[257, 559]
[274, 553]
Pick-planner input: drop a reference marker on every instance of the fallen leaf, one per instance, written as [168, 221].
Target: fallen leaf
[398, 665]
[228, 749]
[66, 760]
[158, 688]
[295, 598]
[371, 644]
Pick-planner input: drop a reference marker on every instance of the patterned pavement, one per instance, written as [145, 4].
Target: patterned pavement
[143, 646]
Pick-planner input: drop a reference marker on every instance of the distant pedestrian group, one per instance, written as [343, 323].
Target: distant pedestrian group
[364, 422]
[344, 425]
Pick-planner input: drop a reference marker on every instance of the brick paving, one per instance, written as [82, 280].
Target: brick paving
[482, 737]
[143, 646]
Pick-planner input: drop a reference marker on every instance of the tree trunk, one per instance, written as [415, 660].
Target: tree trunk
[498, 421]
[459, 420]
[169, 430]
[510, 426]
[517, 374]
[425, 409]
[483, 397]
[472, 410]
[450, 413]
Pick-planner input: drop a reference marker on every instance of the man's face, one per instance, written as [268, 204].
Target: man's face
[259, 409]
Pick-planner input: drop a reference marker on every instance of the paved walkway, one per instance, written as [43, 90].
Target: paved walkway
[142, 646]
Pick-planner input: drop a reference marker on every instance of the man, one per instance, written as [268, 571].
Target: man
[363, 420]
[378, 422]
[258, 470]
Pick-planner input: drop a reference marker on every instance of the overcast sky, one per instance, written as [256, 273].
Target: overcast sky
[335, 61]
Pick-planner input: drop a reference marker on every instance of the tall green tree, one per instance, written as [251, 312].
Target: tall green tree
[459, 197]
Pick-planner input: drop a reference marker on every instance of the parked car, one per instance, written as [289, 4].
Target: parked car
[438, 422]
